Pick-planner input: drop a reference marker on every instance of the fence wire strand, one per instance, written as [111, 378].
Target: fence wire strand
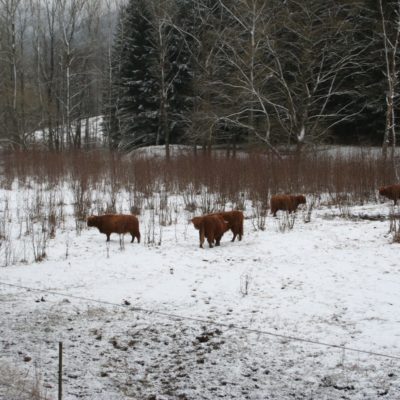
[205, 321]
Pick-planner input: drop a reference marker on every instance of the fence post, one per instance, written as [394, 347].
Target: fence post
[60, 346]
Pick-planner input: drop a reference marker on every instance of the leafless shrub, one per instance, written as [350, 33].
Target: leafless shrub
[312, 201]
[245, 280]
[51, 214]
[82, 199]
[207, 201]
[285, 221]
[5, 217]
[39, 235]
[260, 212]
[165, 211]
[394, 223]
[111, 206]
[15, 385]
[160, 234]
[344, 203]
[39, 219]
[6, 248]
[6, 240]
[67, 247]
[112, 196]
[189, 198]
[239, 201]
[150, 228]
[135, 201]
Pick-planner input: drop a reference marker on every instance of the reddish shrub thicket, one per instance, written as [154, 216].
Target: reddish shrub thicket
[253, 176]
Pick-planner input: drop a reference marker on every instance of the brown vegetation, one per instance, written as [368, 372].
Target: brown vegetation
[207, 182]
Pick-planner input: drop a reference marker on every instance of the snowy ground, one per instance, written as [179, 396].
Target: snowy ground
[333, 280]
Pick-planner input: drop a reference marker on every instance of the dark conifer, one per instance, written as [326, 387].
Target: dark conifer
[133, 112]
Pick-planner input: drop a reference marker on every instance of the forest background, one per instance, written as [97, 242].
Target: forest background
[267, 74]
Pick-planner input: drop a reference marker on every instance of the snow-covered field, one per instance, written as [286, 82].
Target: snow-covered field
[174, 321]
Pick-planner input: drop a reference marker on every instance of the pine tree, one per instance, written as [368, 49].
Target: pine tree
[180, 56]
[133, 114]
[151, 90]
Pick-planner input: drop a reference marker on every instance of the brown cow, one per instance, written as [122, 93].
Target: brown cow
[392, 192]
[286, 202]
[235, 222]
[116, 223]
[212, 227]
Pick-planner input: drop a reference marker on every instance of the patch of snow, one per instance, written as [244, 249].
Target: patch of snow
[333, 280]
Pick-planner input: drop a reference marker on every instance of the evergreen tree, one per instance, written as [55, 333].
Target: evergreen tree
[133, 114]
[181, 59]
[151, 85]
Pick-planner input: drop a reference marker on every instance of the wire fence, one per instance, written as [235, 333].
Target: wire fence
[206, 321]
[137, 331]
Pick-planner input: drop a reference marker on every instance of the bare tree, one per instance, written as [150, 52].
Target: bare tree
[287, 66]
[13, 22]
[204, 43]
[319, 51]
[162, 15]
[46, 47]
[246, 49]
[52, 67]
[69, 16]
[390, 36]
[111, 8]
[89, 70]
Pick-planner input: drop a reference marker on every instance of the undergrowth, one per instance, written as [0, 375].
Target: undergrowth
[81, 183]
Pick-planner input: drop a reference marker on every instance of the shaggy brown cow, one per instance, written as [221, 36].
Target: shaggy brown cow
[392, 192]
[235, 222]
[286, 202]
[116, 223]
[211, 227]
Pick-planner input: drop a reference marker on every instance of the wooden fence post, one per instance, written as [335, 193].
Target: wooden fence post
[60, 346]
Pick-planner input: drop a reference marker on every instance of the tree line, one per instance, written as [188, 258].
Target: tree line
[268, 73]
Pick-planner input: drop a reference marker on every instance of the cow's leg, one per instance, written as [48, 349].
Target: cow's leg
[108, 237]
[201, 237]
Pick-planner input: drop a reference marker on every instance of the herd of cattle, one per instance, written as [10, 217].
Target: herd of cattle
[213, 226]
